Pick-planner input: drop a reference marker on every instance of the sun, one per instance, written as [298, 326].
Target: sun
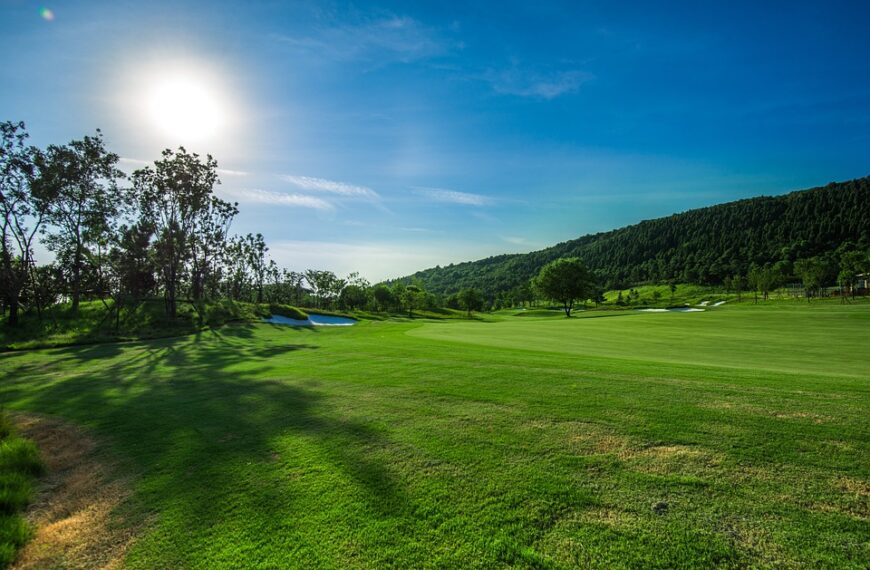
[186, 108]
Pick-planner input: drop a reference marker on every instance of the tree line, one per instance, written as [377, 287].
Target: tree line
[826, 228]
[159, 233]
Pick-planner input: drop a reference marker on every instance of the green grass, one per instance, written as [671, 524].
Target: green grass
[19, 464]
[732, 438]
[95, 323]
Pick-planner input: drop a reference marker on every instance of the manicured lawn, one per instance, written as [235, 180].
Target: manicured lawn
[736, 437]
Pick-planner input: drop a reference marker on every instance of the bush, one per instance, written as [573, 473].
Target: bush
[14, 533]
[5, 427]
[19, 456]
[288, 311]
[19, 462]
[15, 492]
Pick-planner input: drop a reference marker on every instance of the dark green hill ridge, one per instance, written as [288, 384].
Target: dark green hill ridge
[698, 246]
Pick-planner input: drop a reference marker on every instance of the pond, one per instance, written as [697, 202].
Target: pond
[312, 321]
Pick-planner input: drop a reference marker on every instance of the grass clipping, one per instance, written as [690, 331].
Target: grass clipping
[72, 512]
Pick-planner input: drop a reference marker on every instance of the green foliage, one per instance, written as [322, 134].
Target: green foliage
[700, 246]
[15, 491]
[95, 322]
[14, 533]
[470, 300]
[288, 311]
[384, 297]
[5, 426]
[81, 179]
[19, 464]
[20, 456]
[565, 280]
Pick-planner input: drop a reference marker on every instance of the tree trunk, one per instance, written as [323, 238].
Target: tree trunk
[13, 311]
[76, 285]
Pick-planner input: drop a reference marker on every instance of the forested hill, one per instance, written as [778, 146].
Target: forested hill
[698, 246]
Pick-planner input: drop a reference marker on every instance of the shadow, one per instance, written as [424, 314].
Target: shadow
[191, 414]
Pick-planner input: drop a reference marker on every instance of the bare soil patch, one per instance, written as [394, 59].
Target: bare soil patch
[74, 513]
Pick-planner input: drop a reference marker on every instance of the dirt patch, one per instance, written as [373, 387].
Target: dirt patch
[73, 511]
[759, 545]
[608, 517]
[815, 418]
[855, 487]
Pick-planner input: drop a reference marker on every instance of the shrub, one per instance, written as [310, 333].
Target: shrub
[19, 462]
[15, 491]
[19, 456]
[288, 311]
[5, 427]
[14, 533]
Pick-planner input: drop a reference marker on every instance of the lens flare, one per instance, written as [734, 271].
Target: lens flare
[46, 14]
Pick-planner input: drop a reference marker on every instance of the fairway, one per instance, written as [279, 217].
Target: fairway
[730, 438]
[806, 339]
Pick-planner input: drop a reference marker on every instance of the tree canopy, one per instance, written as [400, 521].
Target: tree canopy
[566, 281]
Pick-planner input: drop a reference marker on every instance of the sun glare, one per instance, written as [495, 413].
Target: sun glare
[186, 108]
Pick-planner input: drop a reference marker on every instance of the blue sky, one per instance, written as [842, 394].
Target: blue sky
[389, 137]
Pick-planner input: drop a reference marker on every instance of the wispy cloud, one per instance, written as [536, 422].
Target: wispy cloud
[537, 84]
[454, 197]
[330, 186]
[133, 162]
[139, 163]
[516, 240]
[387, 37]
[228, 172]
[257, 196]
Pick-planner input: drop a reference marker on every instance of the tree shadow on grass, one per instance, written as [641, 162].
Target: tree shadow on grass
[193, 417]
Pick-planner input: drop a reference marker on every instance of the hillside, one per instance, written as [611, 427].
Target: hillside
[698, 246]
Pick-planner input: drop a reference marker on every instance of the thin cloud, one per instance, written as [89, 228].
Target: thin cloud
[133, 162]
[257, 196]
[454, 197]
[138, 162]
[516, 240]
[331, 187]
[381, 39]
[228, 172]
[535, 84]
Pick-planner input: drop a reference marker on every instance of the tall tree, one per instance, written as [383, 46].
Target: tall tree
[208, 244]
[470, 299]
[130, 278]
[355, 292]
[411, 296]
[24, 208]
[567, 281]
[383, 296]
[256, 250]
[173, 196]
[83, 180]
[296, 282]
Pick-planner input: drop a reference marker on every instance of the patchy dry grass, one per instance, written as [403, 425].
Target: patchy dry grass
[638, 441]
[73, 513]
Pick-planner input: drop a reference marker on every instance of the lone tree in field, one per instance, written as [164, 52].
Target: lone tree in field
[565, 280]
